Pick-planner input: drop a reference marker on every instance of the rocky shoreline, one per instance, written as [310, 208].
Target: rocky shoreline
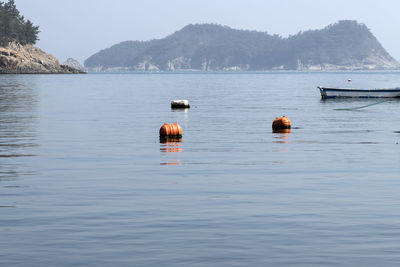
[28, 59]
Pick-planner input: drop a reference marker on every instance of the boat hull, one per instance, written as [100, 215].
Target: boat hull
[358, 93]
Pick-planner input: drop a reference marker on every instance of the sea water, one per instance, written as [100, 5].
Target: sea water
[85, 180]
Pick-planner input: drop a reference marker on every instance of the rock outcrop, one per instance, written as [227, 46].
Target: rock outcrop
[73, 63]
[27, 59]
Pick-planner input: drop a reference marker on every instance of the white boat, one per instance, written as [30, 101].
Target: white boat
[358, 93]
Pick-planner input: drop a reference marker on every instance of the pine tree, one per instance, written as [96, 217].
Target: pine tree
[14, 28]
[30, 33]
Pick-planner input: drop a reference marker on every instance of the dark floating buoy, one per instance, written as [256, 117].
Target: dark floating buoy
[180, 104]
[281, 123]
[171, 130]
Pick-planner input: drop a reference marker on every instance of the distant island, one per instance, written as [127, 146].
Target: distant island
[17, 53]
[345, 45]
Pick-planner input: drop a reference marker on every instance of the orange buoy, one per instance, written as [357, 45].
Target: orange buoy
[281, 123]
[171, 130]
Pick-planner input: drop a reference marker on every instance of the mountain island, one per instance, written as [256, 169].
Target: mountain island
[345, 45]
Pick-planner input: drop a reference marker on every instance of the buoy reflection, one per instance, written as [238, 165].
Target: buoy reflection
[282, 135]
[169, 144]
[170, 163]
[282, 131]
[185, 110]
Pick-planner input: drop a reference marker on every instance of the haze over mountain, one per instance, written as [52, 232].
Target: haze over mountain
[345, 45]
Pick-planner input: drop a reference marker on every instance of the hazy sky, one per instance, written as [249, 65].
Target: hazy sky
[80, 28]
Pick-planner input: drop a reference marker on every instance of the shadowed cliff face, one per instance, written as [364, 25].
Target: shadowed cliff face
[27, 59]
[346, 45]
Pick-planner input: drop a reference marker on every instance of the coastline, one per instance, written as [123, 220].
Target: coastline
[28, 59]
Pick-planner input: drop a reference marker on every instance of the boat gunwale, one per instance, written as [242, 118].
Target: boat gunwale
[359, 90]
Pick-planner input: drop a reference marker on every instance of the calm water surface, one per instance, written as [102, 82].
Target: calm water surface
[85, 180]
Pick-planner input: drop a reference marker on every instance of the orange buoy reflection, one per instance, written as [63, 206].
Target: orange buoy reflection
[170, 163]
[282, 131]
[170, 144]
[282, 135]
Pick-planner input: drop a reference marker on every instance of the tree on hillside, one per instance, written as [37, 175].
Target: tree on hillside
[14, 28]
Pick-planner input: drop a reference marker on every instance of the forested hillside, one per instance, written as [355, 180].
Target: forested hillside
[343, 45]
[14, 27]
